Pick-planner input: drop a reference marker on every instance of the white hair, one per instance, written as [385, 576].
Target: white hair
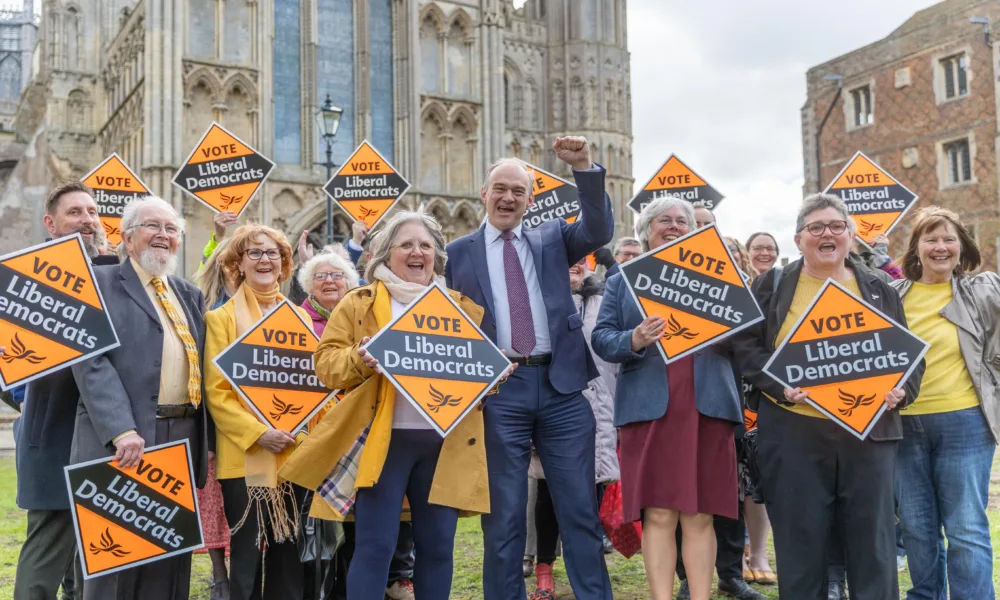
[656, 208]
[332, 258]
[130, 216]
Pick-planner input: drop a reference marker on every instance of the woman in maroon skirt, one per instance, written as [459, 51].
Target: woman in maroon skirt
[678, 458]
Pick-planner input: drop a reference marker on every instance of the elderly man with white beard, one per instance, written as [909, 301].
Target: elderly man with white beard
[149, 390]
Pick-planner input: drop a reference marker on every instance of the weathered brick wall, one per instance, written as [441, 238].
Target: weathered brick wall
[911, 121]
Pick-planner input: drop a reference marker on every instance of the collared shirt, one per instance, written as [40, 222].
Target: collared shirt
[498, 281]
[174, 363]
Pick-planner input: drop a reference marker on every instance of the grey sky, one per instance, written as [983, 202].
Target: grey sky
[721, 84]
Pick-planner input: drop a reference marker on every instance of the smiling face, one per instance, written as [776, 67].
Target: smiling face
[156, 252]
[577, 273]
[826, 250]
[763, 252]
[940, 251]
[668, 226]
[76, 212]
[329, 285]
[507, 194]
[411, 256]
[261, 274]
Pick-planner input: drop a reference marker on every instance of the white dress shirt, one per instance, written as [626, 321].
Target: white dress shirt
[498, 281]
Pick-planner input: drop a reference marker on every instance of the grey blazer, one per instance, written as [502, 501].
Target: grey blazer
[119, 388]
[643, 390]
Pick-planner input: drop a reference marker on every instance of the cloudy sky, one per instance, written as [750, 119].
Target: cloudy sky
[721, 84]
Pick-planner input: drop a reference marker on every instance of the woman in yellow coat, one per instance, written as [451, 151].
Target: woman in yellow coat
[402, 455]
[248, 453]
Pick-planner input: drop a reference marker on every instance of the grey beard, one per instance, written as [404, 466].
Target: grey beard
[90, 247]
[155, 267]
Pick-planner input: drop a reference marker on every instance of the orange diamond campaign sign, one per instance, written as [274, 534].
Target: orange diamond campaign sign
[438, 359]
[367, 186]
[52, 314]
[694, 285]
[223, 171]
[676, 179]
[271, 368]
[124, 518]
[555, 198]
[847, 355]
[114, 185]
[876, 201]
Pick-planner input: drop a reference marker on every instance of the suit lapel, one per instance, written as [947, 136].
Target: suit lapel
[477, 250]
[958, 312]
[534, 239]
[133, 287]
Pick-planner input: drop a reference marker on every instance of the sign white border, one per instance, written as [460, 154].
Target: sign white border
[887, 174]
[706, 343]
[660, 168]
[104, 309]
[76, 524]
[187, 161]
[386, 161]
[442, 432]
[239, 391]
[798, 324]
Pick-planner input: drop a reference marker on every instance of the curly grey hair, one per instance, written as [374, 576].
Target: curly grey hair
[656, 208]
[327, 257]
[381, 244]
[815, 202]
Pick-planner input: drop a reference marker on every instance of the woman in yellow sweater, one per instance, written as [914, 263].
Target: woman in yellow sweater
[248, 453]
[951, 430]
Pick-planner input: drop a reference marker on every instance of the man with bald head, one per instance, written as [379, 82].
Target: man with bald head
[521, 275]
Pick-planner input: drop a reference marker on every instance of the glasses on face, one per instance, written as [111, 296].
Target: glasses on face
[157, 228]
[257, 253]
[733, 249]
[331, 275]
[817, 228]
[768, 249]
[425, 247]
[668, 221]
[629, 254]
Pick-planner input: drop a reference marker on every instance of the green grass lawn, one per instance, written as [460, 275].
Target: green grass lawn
[628, 577]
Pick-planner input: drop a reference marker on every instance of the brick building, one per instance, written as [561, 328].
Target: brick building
[921, 102]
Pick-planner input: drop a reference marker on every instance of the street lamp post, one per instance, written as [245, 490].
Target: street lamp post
[328, 121]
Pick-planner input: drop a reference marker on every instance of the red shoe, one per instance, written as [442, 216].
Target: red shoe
[545, 588]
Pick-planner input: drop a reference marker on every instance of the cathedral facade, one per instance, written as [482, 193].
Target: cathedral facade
[442, 89]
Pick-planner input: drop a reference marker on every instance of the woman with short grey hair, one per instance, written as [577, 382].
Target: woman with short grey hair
[653, 211]
[325, 278]
[678, 455]
[817, 478]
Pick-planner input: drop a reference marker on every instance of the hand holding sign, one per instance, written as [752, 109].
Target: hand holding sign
[893, 397]
[275, 441]
[223, 221]
[574, 151]
[128, 450]
[796, 395]
[367, 358]
[648, 332]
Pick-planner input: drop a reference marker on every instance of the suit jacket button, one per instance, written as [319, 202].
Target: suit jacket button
[472, 441]
[156, 397]
[159, 329]
[156, 363]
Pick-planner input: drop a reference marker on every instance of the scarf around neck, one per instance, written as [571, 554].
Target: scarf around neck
[401, 291]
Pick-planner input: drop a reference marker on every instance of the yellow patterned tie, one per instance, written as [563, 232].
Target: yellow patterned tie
[190, 348]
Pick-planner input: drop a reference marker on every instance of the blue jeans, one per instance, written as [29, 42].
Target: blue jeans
[409, 469]
[942, 481]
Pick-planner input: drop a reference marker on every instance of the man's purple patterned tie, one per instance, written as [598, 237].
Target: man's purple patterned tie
[522, 327]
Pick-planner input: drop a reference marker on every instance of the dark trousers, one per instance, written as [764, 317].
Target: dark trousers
[401, 566]
[167, 579]
[817, 476]
[546, 524]
[408, 471]
[562, 426]
[730, 535]
[252, 574]
[47, 556]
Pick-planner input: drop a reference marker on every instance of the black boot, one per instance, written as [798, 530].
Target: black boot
[737, 588]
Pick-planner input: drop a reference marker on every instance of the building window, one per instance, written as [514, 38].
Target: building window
[10, 38]
[959, 163]
[955, 71]
[862, 100]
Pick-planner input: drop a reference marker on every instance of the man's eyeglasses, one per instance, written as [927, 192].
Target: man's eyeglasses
[157, 228]
[257, 253]
[817, 228]
[331, 275]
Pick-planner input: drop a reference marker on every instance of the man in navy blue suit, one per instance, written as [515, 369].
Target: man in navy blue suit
[521, 275]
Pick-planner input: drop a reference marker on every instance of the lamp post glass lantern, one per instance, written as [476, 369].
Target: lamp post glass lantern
[328, 121]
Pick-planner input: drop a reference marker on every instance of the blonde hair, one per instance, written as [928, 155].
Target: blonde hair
[742, 257]
[240, 242]
[211, 278]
